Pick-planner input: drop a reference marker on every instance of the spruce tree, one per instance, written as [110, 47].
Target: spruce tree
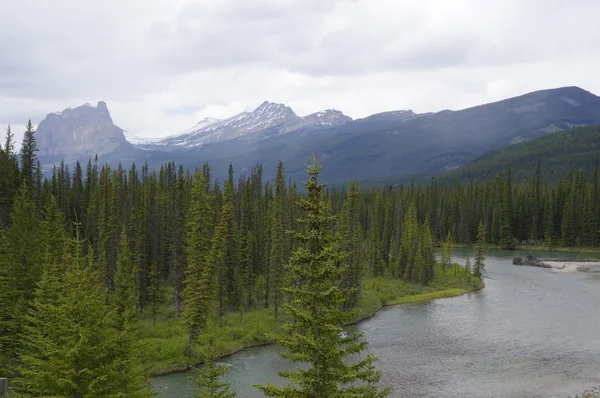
[408, 243]
[21, 265]
[468, 267]
[507, 239]
[28, 157]
[315, 331]
[278, 241]
[208, 381]
[350, 232]
[68, 342]
[479, 264]
[9, 177]
[129, 379]
[197, 246]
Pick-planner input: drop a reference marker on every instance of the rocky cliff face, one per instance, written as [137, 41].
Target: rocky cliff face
[79, 134]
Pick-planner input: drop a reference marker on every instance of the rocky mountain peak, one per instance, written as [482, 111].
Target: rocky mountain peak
[330, 117]
[79, 132]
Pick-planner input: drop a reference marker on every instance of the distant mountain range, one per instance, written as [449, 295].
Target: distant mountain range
[278, 117]
[382, 146]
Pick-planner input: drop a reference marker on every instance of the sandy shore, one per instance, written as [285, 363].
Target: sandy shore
[571, 266]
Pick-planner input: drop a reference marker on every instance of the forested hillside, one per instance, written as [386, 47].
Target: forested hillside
[557, 153]
[89, 253]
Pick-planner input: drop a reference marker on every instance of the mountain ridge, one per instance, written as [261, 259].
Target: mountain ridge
[266, 116]
[387, 145]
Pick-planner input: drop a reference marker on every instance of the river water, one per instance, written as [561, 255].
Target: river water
[531, 332]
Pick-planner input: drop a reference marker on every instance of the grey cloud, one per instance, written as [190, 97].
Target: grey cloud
[160, 63]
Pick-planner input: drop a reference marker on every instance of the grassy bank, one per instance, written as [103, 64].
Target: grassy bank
[539, 248]
[162, 346]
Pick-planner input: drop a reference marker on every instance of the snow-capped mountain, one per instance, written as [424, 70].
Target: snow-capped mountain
[277, 118]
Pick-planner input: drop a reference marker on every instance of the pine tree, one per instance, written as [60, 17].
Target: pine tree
[479, 264]
[350, 232]
[9, 177]
[468, 267]
[208, 382]
[409, 242]
[425, 258]
[154, 291]
[21, 265]
[278, 241]
[197, 246]
[214, 273]
[28, 156]
[507, 239]
[447, 250]
[68, 341]
[129, 379]
[317, 320]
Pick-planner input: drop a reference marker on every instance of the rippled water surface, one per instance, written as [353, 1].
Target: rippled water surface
[531, 332]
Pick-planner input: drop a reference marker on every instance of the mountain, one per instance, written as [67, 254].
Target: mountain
[395, 145]
[391, 145]
[80, 134]
[268, 115]
[557, 153]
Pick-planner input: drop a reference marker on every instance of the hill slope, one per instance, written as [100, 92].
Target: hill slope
[557, 153]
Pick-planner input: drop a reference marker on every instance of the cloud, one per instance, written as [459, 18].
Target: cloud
[161, 65]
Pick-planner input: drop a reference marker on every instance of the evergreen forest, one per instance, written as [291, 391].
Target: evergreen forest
[109, 275]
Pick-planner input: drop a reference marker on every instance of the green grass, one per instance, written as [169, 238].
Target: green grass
[162, 346]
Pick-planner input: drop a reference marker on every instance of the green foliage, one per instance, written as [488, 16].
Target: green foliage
[129, 379]
[316, 318]
[68, 341]
[278, 241]
[557, 153]
[196, 298]
[479, 264]
[28, 157]
[350, 232]
[21, 265]
[208, 381]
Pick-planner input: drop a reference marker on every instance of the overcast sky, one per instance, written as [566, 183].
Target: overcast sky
[162, 65]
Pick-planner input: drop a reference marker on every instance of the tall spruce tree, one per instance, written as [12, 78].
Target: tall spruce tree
[350, 232]
[21, 265]
[507, 239]
[278, 241]
[129, 379]
[316, 316]
[197, 246]
[29, 147]
[479, 264]
[208, 381]
[68, 341]
[9, 177]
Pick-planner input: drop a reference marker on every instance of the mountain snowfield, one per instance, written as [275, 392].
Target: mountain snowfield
[268, 116]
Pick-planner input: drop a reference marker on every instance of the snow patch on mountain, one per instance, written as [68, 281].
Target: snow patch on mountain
[268, 116]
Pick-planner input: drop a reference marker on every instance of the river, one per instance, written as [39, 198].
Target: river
[531, 332]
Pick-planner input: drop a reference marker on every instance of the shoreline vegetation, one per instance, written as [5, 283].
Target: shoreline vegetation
[536, 248]
[162, 346]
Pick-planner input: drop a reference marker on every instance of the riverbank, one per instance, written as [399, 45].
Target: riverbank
[537, 248]
[162, 346]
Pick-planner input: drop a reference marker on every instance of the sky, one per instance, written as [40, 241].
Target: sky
[163, 65]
